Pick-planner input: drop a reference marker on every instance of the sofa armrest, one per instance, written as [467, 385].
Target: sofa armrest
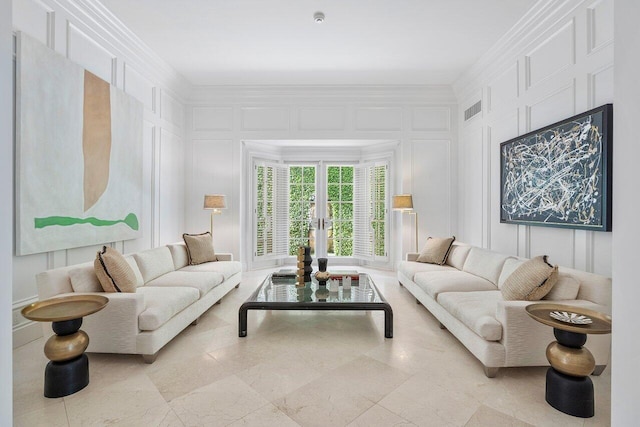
[411, 256]
[224, 256]
[114, 329]
[526, 339]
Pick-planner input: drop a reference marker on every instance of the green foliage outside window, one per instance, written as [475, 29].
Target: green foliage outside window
[302, 195]
[340, 210]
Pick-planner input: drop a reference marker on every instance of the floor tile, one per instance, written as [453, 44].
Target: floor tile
[377, 416]
[267, 416]
[218, 404]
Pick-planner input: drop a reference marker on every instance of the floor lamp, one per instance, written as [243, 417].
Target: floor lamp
[215, 202]
[404, 203]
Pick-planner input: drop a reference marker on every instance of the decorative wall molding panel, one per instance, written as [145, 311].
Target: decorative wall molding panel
[504, 89]
[378, 118]
[599, 25]
[139, 86]
[171, 109]
[431, 119]
[321, 118]
[265, 118]
[557, 64]
[551, 56]
[212, 118]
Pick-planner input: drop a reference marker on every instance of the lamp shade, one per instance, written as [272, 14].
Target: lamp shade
[215, 201]
[402, 202]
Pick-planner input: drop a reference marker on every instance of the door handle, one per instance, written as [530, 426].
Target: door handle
[323, 223]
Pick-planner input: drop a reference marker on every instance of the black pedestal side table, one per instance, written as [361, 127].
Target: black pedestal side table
[68, 369]
[569, 388]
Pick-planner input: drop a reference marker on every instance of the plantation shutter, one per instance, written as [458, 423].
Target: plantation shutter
[379, 186]
[271, 210]
[370, 211]
[362, 213]
[281, 216]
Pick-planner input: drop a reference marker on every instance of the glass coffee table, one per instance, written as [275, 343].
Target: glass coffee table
[277, 293]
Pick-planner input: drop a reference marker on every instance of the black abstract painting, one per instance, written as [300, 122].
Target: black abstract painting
[560, 176]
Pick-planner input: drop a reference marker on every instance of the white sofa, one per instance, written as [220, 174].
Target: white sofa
[464, 295]
[170, 295]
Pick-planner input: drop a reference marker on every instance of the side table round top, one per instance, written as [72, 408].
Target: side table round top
[601, 323]
[64, 308]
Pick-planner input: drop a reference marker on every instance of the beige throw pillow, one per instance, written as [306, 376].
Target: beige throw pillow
[114, 272]
[530, 281]
[199, 248]
[436, 250]
[566, 288]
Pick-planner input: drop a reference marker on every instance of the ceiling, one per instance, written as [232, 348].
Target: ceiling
[276, 42]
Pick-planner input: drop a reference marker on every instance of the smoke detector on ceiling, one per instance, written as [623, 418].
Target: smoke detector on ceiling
[318, 17]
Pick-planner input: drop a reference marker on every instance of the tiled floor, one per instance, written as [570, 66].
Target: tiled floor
[299, 368]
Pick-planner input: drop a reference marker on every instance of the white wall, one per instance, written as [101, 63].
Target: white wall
[89, 35]
[557, 62]
[625, 393]
[421, 118]
[6, 211]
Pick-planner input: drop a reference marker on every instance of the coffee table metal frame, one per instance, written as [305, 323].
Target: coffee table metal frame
[253, 304]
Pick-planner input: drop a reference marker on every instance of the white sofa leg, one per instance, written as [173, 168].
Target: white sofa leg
[598, 370]
[149, 358]
[490, 372]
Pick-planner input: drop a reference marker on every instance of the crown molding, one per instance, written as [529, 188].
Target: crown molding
[424, 94]
[112, 31]
[542, 16]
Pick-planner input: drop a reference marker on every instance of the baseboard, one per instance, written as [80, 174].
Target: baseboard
[26, 333]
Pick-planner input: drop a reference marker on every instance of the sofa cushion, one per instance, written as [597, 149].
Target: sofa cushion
[532, 280]
[199, 248]
[226, 268]
[84, 279]
[179, 255]
[134, 266]
[203, 282]
[484, 263]
[113, 271]
[477, 310]
[436, 282]
[410, 268]
[458, 255]
[509, 267]
[154, 262]
[162, 303]
[435, 250]
[566, 288]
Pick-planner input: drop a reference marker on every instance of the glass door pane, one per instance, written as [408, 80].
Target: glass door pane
[339, 211]
[302, 208]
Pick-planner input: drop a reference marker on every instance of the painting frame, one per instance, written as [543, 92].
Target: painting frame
[560, 175]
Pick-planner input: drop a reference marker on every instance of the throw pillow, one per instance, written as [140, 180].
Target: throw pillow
[84, 279]
[114, 272]
[199, 248]
[566, 288]
[436, 250]
[530, 281]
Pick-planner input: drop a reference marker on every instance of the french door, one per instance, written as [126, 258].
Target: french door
[339, 210]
